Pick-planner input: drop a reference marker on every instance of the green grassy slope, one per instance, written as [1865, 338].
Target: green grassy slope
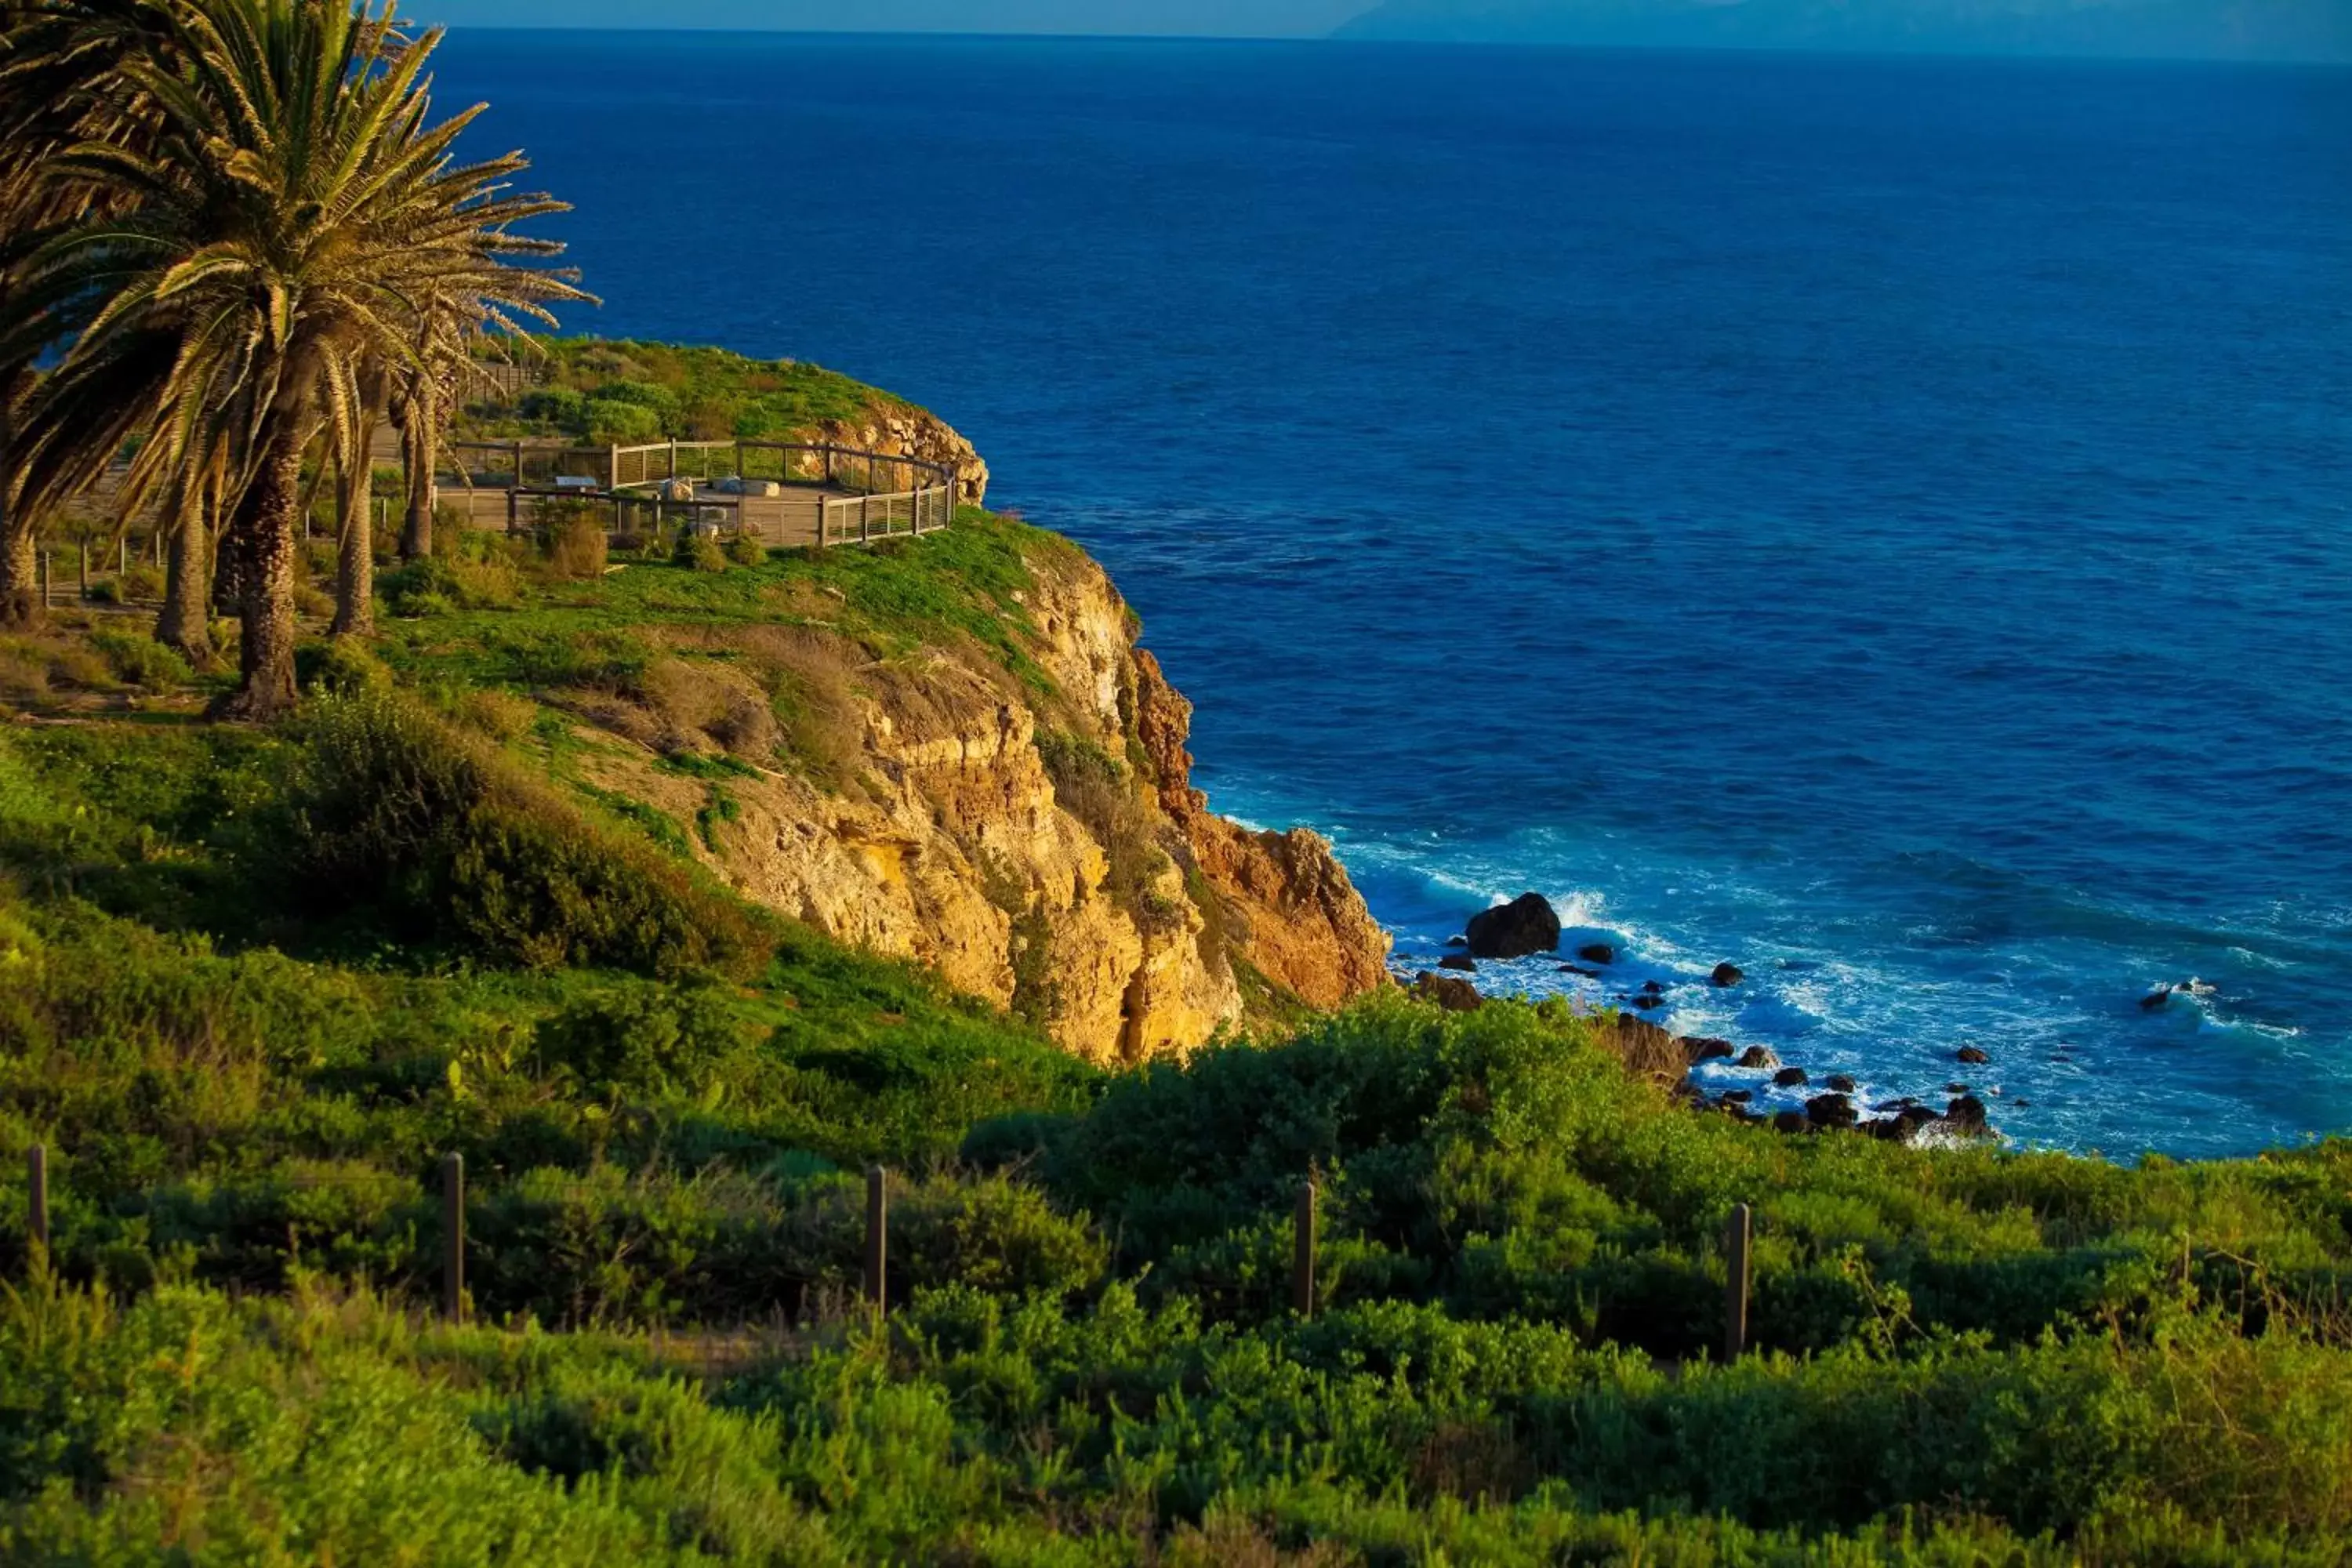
[254, 986]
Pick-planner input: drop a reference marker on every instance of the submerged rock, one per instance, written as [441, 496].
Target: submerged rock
[1706, 1049]
[1525, 925]
[1842, 1083]
[1759, 1057]
[1597, 952]
[1455, 961]
[1789, 1077]
[1727, 976]
[1970, 1056]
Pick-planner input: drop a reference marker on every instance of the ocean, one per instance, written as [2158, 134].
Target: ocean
[1884, 523]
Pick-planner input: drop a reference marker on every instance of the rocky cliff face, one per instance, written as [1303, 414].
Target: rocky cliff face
[911, 434]
[1037, 841]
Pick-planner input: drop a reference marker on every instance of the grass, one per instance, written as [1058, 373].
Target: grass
[605, 390]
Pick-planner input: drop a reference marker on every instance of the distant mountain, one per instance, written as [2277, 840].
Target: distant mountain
[2314, 30]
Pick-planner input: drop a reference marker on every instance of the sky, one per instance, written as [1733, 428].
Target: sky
[1213, 19]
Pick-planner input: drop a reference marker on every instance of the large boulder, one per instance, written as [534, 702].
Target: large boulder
[1727, 976]
[1456, 961]
[1527, 924]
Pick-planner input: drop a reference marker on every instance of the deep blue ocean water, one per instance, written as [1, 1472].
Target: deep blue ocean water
[1887, 523]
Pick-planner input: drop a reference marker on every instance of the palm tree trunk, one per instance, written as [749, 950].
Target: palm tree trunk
[354, 553]
[419, 450]
[262, 544]
[185, 623]
[20, 552]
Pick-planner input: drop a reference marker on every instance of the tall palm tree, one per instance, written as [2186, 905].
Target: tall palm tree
[295, 209]
[354, 524]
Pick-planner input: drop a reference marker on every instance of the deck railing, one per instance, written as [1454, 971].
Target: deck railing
[822, 495]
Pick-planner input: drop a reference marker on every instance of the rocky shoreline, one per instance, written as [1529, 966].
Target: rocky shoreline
[1529, 927]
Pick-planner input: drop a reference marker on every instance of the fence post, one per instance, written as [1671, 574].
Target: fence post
[820, 505]
[1736, 1233]
[1302, 1253]
[518, 462]
[37, 1190]
[514, 507]
[122, 553]
[453, 1237]
[828, 462]
[877, 1238]
[864, 518]
[613, 466]
[672, 457]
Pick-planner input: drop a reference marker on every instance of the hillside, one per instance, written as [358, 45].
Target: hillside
[666, 896]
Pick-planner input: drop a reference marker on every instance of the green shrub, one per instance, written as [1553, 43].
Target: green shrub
[141, 661]
[462, 846]
[698, 551]
[746, 550]
[341, 667]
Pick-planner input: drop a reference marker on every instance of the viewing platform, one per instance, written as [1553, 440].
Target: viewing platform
[787, 494]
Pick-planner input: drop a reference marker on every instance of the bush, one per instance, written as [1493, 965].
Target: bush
[746, 550]
[698, 551]
[141, 661]
[340, 666]
[574, 545]
[462, 846]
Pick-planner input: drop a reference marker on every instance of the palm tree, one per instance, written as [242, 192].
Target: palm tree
[59, 85]
[295, 210]
[354, 525]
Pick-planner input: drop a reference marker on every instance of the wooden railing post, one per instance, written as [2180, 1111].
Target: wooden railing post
[1302, 1253]
[878, 1238]
[1737, 1231]
[672, 457]
[453, 1237]
[864, 518]
[36, 1201]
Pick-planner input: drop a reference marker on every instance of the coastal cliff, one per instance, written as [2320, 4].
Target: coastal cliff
[1010, 805]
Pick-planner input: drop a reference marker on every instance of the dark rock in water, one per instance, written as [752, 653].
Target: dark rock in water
[1457, 941]
[1579, 969]
[1597, 952]
[1831, 1111]
[2157, 999]
[1792, 1121]
[1967, 1114]
[2022, 1104]
[1457, 961]
[1955, 1088]
[1739, 1096]
[1887, 1107]
[1524, 925]
[1970, 1057]
[1649, 999]
[1706, 1049]
[1759, 1057]
[1789, 1077]
[1651, 988]
[1841, 1083]
[1727, 975]
[1904, 1125]
[1453, 995]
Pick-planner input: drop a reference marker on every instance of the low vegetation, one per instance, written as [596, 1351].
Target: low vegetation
[619, 392]
[255, 983]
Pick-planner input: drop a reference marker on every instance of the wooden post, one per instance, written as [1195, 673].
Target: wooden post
[518, 462]
[877, 1238]
[514, 507]
[864, 518]
[122, 553]
[453, 1237]
[828, 463]
[1736, 1233]
[672, 457]
[36, 1195]
[612, 467]
[1302, 1253]
[820, 520]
